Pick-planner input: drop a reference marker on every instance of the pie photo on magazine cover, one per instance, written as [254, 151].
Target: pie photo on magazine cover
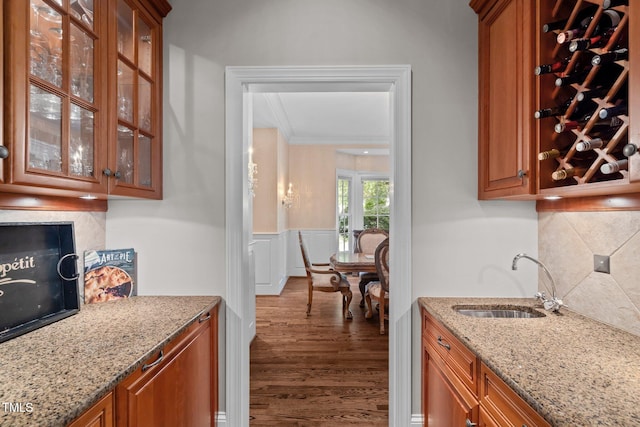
[109, 275]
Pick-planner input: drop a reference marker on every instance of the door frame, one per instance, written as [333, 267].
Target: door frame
[240, 83]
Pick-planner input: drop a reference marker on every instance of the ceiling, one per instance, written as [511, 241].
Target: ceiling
[358, 120]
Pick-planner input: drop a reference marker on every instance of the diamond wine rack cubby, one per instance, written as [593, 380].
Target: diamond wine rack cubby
[583, 92]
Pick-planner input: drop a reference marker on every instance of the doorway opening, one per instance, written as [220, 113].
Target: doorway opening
[241, 83]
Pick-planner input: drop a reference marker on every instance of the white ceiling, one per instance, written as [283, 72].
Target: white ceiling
[341, 118]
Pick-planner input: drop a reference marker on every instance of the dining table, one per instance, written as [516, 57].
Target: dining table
[350, 262]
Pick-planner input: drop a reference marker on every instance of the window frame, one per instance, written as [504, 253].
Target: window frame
[355, 199]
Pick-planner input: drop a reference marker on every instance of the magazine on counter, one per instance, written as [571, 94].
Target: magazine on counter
[109, 275]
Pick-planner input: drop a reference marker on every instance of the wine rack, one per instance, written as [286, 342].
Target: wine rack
[572, 171]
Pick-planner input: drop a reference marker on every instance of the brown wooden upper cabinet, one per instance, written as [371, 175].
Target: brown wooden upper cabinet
[506, 88]
[83, 97]
[584, 142]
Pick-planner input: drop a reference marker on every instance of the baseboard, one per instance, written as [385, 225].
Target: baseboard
[269, 289]
[417, 420]
[221, 419]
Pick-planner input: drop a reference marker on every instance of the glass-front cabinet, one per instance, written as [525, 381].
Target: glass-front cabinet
[56, 52]
[83, 97]
[136, 154]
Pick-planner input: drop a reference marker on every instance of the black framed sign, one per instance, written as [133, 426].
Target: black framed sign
[38, 276]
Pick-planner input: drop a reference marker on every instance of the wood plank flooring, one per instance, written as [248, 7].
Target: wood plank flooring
[319, 370]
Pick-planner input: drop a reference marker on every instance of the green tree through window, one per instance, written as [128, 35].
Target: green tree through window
[375, 203]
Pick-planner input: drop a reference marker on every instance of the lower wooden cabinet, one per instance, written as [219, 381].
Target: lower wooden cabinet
[501, 406]
[460, 391]
[99, 415]
[176, 387]
[448, 402]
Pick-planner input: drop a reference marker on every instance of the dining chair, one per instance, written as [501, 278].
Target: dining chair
[380, 290]
[368, 241]
[320, 277]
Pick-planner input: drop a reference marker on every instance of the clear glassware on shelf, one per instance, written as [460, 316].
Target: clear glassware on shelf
[125, 154]
[45, 130]
[81, 161]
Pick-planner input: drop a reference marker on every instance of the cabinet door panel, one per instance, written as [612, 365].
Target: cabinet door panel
[447, 401]
[506, 86]
[99, 415]
[175, 393]
[503, 404]
[139, 103]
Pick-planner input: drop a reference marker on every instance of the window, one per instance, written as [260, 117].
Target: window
[362, 202]
[375, 203]
[344, 214]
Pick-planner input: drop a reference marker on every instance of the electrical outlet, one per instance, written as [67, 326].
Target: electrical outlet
[601, 264]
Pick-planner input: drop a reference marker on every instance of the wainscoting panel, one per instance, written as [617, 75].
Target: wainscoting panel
[270, 258]
[278, 256]
[321, 244]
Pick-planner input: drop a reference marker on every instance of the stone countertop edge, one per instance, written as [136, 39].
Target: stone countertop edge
[571, 369]
[58, 357]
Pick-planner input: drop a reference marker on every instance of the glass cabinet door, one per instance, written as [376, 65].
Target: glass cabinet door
[61, 145]
[137, 152]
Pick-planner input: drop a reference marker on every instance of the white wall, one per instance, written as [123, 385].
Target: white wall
[460, 246]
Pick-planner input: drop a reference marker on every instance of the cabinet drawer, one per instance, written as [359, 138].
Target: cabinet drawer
[503, 406]
[455, 354]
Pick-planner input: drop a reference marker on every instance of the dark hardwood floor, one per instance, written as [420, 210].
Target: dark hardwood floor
[319, 370]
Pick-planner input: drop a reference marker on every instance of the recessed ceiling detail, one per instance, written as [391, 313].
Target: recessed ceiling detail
[358, 118]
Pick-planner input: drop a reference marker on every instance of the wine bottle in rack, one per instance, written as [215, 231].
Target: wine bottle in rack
[591, 42]
[600, 127]
[582, 21]
[629, 150]
[576, 77]
[599, 92]
[588, 145]
[609, 57]
[616, 110]
[613, 167]
[555, 67]
[556, 25]
[561, 174]
[550, 154]
[608, 20]
[606, 4]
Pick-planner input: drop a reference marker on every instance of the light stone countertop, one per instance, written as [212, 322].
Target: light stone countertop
[573, 370]
[61, 369]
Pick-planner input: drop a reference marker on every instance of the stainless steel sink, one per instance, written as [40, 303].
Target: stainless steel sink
[498, 312]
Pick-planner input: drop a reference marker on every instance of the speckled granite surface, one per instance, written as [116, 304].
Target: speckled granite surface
[60, 370]
[574, 371]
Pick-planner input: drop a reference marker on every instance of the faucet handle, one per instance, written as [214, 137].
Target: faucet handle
[553, 304]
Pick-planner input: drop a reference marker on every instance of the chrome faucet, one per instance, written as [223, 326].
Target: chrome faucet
[552, 304]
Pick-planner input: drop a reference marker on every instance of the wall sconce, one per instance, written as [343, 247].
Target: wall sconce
[290, 198]
[252, 171]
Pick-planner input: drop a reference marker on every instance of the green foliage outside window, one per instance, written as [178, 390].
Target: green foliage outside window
[375, 204]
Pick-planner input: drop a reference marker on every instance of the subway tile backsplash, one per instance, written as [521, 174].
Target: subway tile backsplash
[567, 243]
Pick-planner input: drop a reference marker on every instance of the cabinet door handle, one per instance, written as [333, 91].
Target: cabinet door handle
[522, 174]
[151, 365]
[443, 343]
[470, 424]
[4, 152]
[204, 319]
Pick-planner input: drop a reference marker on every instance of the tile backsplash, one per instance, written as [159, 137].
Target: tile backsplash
[567, 243]
[89, 227]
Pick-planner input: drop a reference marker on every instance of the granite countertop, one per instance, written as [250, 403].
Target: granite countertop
[573, 370]
[58, 371]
